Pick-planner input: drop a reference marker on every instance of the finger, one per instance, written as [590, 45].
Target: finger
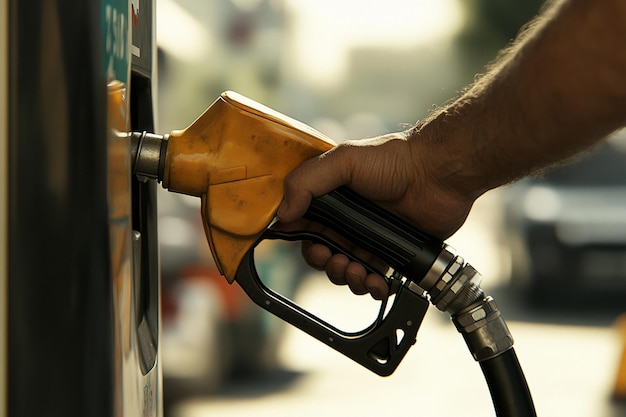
[355, 277]
[312, 178]
[336, 269]
[294, 204]
[316, 255]
[376, 286]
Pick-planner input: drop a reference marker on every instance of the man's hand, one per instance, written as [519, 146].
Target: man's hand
[388, 170]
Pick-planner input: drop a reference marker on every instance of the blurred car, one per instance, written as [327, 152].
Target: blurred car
[567, 231]
[212, 332]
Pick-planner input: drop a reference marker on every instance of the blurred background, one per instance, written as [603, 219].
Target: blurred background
[552, 249]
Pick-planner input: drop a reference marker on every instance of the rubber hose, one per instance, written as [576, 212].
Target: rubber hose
[507, 384]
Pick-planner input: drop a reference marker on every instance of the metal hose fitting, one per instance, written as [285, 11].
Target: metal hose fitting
[476, 316]
[484, 330]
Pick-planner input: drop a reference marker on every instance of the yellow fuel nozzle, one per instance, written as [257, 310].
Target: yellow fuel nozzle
[235, 157]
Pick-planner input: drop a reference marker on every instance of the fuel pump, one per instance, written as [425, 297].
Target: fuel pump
[235, 157]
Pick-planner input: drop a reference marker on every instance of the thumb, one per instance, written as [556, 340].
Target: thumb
[288, 212]
[312, 178]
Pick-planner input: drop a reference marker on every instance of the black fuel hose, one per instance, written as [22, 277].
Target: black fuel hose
[507, 385]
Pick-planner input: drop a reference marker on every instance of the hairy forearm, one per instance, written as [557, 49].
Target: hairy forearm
[560, 88]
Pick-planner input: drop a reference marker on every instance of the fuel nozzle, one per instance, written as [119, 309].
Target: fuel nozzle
[234, 157]
[148, 152]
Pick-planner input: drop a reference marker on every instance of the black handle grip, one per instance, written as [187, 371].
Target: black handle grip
[403, 247]
[378, 347]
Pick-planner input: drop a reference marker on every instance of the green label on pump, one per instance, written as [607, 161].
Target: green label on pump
[116, 37]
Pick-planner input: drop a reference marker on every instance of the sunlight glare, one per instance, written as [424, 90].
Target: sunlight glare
[326, 30]
[181, 34]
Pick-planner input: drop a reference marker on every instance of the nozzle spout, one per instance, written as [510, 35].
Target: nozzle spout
[148, 153]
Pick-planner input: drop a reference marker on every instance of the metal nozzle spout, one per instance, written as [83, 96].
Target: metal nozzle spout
[148, 155]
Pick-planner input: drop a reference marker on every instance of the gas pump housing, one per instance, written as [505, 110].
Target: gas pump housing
[81, 281]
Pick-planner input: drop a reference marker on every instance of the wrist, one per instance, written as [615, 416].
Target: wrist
[439, 147]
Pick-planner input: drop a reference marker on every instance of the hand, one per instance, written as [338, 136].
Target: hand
[395, 171]
[339, 269]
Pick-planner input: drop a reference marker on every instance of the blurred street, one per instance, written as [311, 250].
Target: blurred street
[569, 364]
[569, 359]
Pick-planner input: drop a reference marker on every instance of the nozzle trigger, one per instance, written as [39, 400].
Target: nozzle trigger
[378, 347]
